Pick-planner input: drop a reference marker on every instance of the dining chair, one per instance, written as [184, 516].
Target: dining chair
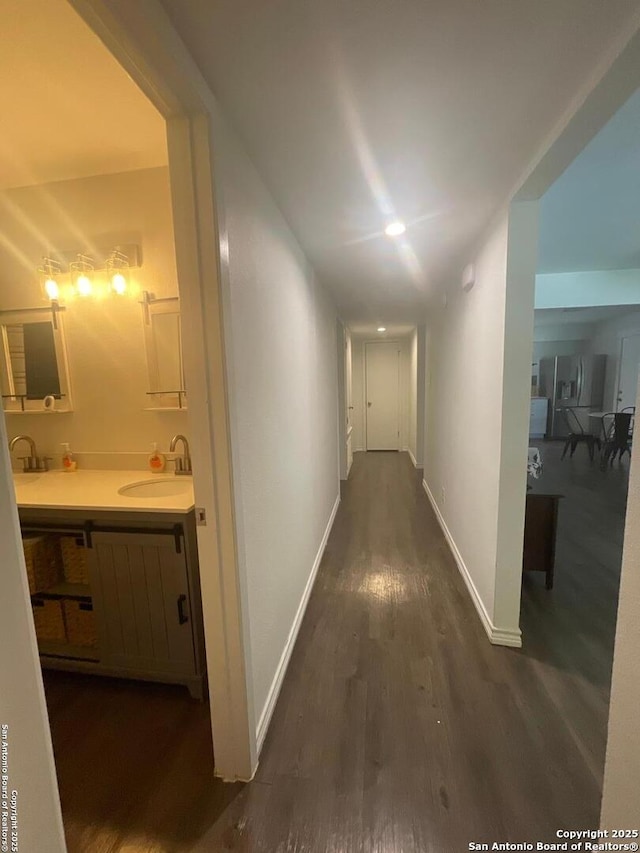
[577, 434]
[618, 435]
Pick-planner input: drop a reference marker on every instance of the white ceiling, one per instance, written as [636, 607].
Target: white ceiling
[68, 108]
[590, 217]
[428, 110]
[563, 316]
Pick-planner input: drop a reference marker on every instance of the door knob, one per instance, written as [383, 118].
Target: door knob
[369, 404]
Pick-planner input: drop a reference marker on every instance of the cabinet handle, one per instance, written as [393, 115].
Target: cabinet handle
[182, 617]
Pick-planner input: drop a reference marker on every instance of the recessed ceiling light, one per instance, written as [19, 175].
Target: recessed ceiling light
[395, 229]
[382, 328]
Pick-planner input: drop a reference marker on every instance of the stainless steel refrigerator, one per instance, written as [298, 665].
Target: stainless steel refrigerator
[575, 381]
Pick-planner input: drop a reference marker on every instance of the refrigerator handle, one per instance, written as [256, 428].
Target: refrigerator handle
[580, 379]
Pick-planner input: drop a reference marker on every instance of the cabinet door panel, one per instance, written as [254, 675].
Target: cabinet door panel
[150, 601]
[126, 566]
[180, 636]
[137, 581]
[106, 605]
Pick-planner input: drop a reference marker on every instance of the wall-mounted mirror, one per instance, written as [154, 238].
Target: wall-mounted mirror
[163, 341]
[35, 375]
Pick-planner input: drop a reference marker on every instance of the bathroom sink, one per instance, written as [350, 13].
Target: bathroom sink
[25, 479]
[157, 488]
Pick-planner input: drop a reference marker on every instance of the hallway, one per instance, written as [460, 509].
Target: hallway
[399, 727]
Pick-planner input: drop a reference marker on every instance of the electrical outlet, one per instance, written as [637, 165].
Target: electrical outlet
[443, 495]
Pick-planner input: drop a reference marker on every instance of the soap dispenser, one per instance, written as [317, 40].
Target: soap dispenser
[68, 460]
[157, 460]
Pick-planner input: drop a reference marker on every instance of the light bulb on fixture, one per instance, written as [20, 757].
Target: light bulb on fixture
[395, 229]
[382, 328]
[118, 283]
[49, 272]
[83, 283]
[117, 267]
[81, 270]
[51, 288]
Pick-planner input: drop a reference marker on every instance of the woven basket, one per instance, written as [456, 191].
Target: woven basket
[49, 619]
[80, 622]
[74, 559]
[42, 558]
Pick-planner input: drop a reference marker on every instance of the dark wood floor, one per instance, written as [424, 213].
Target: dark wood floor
[399, 727]
[570, 631]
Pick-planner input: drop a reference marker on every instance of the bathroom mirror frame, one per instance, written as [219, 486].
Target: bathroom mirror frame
[162, 399]
[13, 402]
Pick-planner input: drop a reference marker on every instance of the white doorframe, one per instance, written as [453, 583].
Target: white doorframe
[341, 342]
[141, 37]
[622, 337]
[365, 391]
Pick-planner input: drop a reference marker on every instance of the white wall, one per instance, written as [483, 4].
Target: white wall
[621, 794]
[522, 248]
[282, 366]
[587, 289]
[105, 337]
[359, 401]
[464, 364]
[468, 456]
[607, 339]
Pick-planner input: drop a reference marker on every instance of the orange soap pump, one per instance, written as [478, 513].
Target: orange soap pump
[157, 460]
[68, 460]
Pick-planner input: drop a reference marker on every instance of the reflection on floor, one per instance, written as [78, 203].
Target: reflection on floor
[569, 632]
[399, 727]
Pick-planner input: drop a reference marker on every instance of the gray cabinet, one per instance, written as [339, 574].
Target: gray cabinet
[142, 603]
[144, 593]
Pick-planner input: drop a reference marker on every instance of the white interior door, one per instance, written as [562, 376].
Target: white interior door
[382, 395]
[628, 375]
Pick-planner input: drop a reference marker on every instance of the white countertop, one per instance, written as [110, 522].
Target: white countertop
[96, 490]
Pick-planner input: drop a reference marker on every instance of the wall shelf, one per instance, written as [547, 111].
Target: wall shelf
[48, 648]
[66, 590]
[165, 409]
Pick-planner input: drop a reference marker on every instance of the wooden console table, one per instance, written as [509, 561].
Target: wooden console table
[540, 527]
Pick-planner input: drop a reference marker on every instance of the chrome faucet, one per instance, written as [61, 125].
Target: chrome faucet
[183, 463]
[32, 464]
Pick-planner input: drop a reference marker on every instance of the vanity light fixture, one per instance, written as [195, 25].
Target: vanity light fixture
[118, 270]
[382, 328]
[395, 229]
[50, 272]
[105, 271]
[81, 270]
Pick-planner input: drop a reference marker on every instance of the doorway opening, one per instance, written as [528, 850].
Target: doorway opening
[115, 560]
[584, 387]
[384, 407]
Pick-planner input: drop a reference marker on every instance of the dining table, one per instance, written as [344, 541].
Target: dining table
[598, 416]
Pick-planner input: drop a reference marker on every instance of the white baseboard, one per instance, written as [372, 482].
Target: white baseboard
[498, 636]
[412, 457]
[274, 691]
